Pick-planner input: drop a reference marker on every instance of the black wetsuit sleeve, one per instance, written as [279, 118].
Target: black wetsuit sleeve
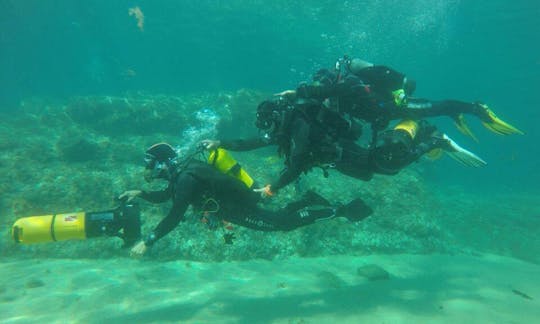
[299, 154]
[421, 108]
[157, 197]
[244, 144]
[186, 189]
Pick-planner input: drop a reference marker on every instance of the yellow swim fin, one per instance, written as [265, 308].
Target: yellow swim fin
[435, 153]
[495, 124]
[462, 126]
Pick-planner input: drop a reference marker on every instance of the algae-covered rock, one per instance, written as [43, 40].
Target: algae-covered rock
[77, 149]
[77, 154]
[239, 116]
[128, 115]
[372, 272]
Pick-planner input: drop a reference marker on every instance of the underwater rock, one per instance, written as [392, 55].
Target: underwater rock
[8, 298]
[34, 283]
[77, 149]
[45, 142]
[237, 120]
[142, 114]
[373, 272]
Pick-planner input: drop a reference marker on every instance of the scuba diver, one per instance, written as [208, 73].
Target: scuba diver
[226, 196]
[379, 94]
[309, 135]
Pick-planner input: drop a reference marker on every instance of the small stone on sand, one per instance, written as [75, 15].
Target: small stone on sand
[34, 283]
[373, 272]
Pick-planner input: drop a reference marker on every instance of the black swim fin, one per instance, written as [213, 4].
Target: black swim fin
[355, 211]
[314, 198]
[309, 199]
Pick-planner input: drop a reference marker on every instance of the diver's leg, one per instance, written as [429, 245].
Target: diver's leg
[306, 211]
[409, 140]
[354, 161]
[418, 108]
[311, 209]
[303, 212]
[422, 108]
[283, 220]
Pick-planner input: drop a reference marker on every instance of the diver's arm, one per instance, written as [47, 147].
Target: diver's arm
[298, 155]
[157, 197]
[186, 186]
[288, 175]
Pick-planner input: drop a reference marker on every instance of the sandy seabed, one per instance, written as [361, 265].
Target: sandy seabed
[420, 289]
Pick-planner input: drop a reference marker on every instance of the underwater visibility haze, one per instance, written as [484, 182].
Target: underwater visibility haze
[87, 86]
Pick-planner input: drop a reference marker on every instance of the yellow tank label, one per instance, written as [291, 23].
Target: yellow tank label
[69, 226]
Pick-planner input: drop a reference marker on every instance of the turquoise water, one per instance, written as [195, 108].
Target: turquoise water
[60, 59]
[454, 49]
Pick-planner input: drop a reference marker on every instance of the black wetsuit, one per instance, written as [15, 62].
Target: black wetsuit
[207, 189]
[308, 140]
[370, 95]
[367, 95]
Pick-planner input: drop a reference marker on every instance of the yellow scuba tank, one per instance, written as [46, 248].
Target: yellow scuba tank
[225, 163]
[48, 228]
[409, 126]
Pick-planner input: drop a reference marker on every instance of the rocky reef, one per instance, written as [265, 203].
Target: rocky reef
[78, 154]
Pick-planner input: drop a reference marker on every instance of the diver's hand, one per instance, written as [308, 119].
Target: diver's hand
[288, 94]
[265, 191]
[210, 144]
[130, 195]
[138, 250]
